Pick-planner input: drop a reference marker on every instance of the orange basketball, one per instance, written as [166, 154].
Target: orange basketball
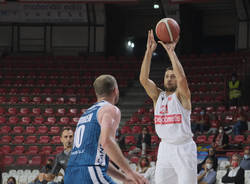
[167, 30]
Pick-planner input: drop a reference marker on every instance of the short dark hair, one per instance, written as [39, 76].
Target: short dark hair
[169, 68]
[13, 178]
[104, 85]
[66, 128]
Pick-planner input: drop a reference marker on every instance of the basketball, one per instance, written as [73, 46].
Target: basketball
[167, 30]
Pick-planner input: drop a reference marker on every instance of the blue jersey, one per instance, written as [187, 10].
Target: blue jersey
[87, 151]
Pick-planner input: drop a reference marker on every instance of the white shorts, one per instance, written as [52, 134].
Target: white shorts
[176, 164]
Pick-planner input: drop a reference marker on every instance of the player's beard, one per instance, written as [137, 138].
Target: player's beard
[170, 89]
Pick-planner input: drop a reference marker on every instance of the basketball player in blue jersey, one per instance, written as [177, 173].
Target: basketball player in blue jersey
[94, 141]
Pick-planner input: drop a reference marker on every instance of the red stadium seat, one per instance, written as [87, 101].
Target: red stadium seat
[46, 150]
[42, 130]
[38, 120]
[44, 139]
[5, 129]
[210, 139]
[197, 109]
[36, 111]
[60, 100]
[141, 110]
[24, 111]
[6, 149]
[126, 130]
[82, 111]
[49, 112]
[214, 123]
[228, 118]
[25, 99]
[58, 149]
[2, 111]
[61, 112]
[6, 139]
[245, 108]
[36, 160]
[146, 120]
[37, 100]
[33, 150]
[17, 130]
[210, 109]
[56, 140]
[134, 120]
[25, 120]
[136, 129]
[48, 100]
[8, 160]
[64, 121]
[201, 139]
[18, 150]
[2, 100]
[74, 121]
[238, 139]
[130, 140]
[13, 100]
[50, 121]
[247, 140]
[54, 130]
[12, 111]
[18, 139]
[31, 139]
[84, 101]
[30, 130]
[2, 120]
[73, 112]
[13, 120]
[134, 159]
[72, 100]
[221, 109]
[232, 109]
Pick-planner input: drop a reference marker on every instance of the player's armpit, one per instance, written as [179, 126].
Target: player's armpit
[151, 88]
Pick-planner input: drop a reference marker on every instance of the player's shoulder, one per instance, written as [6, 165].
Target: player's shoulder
[110, 108]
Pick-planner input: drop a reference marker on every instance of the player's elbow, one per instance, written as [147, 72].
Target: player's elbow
[143, 80]
[106, 142]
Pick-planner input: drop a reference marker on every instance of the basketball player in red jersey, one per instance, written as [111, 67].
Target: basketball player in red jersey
[177, 154]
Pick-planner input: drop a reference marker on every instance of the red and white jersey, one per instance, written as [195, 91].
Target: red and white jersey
[172, 120]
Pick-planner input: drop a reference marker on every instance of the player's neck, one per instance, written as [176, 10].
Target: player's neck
[169, 92]
[108, 99]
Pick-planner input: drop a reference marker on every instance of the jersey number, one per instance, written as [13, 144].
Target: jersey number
[78, 136]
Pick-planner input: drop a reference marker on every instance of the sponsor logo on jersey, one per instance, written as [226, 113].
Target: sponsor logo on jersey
[168, 119]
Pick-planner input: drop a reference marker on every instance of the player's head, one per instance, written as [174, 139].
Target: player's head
[67, 137]
[106, 87]
[170, 82]
[247, 153]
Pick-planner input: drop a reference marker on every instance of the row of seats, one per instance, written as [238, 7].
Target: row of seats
[45, 91]
[6, 130]
[238, 139]
[30, 139]
[46, 100]
[38, 120]
[48, 111]
[30, 150]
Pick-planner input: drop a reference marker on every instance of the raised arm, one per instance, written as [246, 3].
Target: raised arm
[183, 91]
[152, 90]
[109, 118]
